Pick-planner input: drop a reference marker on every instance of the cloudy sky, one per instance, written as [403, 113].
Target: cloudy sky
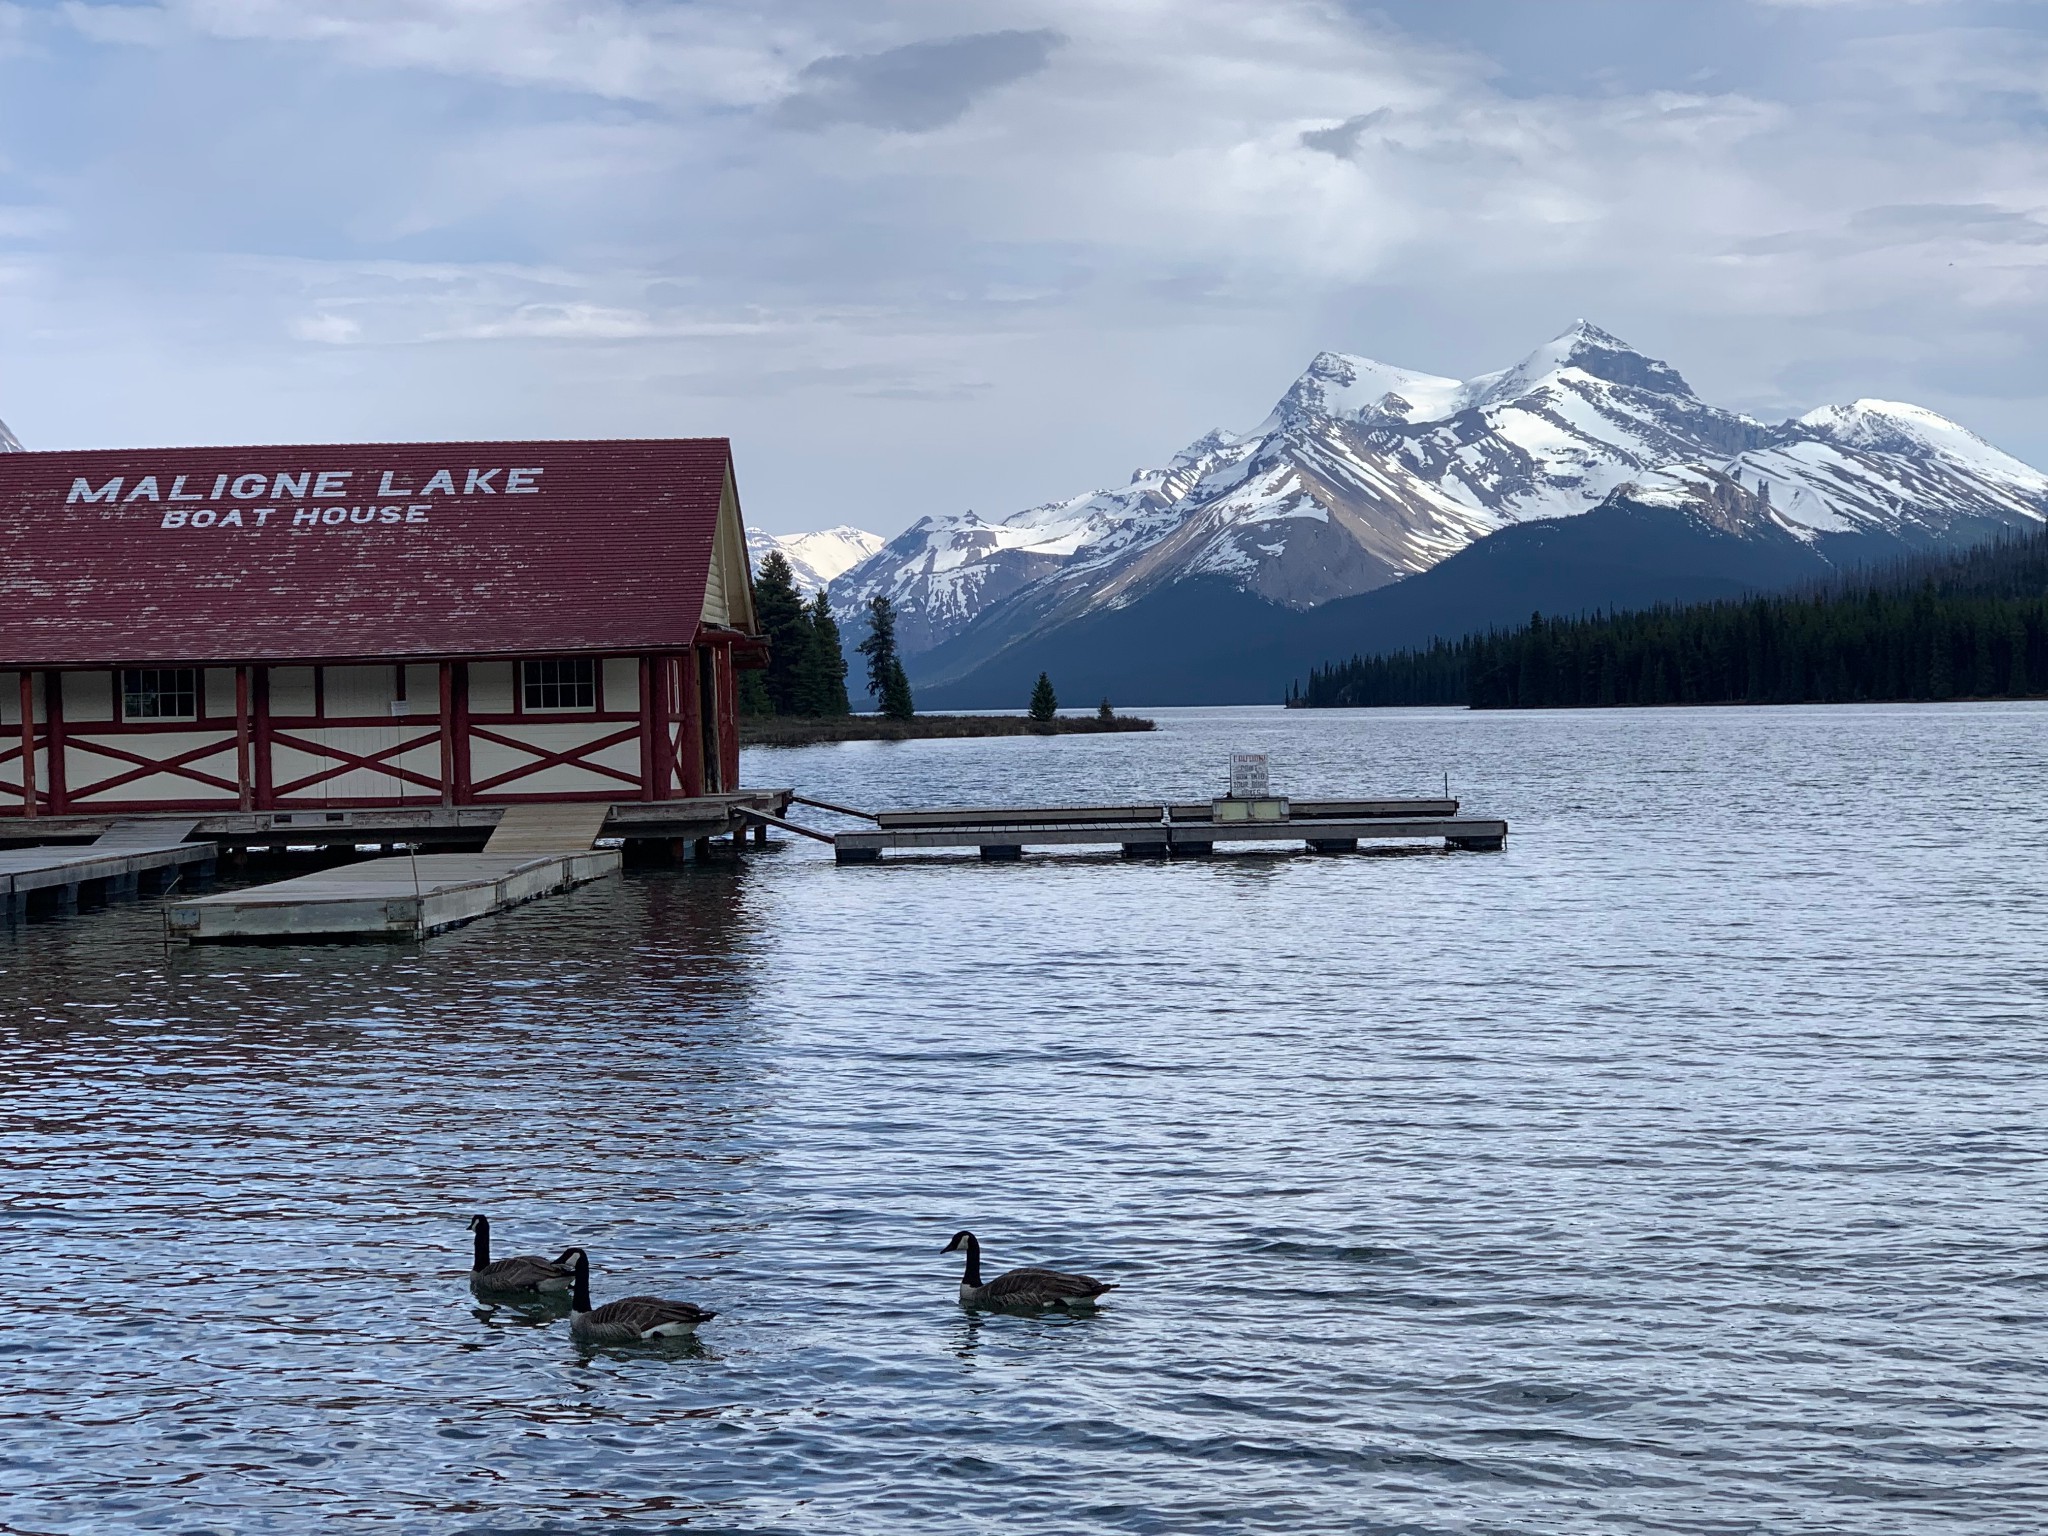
[917, 257]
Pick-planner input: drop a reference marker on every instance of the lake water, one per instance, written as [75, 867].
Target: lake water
[1678, 1169]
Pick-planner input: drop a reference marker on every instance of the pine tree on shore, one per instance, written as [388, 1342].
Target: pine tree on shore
[821, 684]
[780, 610]
[888, 684]
[1044, 702]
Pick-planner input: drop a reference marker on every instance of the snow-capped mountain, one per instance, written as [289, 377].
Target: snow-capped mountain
[9, 443]
[1364, 474]
[815, 559]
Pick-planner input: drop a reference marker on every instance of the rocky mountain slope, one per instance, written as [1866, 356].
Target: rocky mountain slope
[1365, 474]
[9, 443]
[815, 559]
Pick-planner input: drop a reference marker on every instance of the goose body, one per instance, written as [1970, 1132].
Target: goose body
[1028, 1286]
[632, 1320]
[527, 1274]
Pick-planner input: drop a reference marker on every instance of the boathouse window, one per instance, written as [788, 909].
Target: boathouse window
[160, 693]
[559, 684]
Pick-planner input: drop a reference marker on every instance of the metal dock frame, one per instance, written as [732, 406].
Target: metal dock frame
[1168, 831]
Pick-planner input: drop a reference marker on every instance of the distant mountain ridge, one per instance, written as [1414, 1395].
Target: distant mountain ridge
[1365, 475]
[9, 443]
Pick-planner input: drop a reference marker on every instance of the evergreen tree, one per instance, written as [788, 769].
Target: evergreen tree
[820, 685]
[781, 611]
[888, 684]
[1044, 702]
[1104, 712]
[1942, 625]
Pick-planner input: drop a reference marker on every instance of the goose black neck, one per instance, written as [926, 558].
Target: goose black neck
[579, 1296]
[973, 1274]
[482, 1249]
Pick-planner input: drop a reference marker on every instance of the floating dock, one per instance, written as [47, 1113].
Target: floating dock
[535, 851]
[1171, 831]
[126, 859]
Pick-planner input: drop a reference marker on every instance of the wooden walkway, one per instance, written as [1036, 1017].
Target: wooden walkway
[122, 861]
[565, 828]
[392, 898]
[1172, 831]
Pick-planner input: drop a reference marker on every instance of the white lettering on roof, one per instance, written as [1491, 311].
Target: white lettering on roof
[314, 495]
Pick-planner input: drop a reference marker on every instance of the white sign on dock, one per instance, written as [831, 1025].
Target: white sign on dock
[1248, 777]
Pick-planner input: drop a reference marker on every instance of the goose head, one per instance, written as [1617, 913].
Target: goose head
[478, 1224]
[569, 1258]
[960, 1240]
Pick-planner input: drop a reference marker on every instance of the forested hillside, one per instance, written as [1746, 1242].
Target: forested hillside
[1972, 623]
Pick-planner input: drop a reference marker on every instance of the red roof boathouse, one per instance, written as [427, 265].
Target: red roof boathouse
[397, 624]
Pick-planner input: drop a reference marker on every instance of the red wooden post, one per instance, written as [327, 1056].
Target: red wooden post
[259, 720]
[651, 728]
[690, 738]
[446, 723]
[461, 731]
[28, 743]
[53, 735]
[245, 790]
[728, 722]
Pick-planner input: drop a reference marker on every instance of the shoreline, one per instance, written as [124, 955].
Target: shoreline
[808, 731]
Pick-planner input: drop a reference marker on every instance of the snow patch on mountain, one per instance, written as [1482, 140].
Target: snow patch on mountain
[815, 559]
[9, 443]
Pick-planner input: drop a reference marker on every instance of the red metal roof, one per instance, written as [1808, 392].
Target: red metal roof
[314, 553]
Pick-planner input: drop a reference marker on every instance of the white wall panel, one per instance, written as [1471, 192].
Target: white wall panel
[85, 770]
[291, 691]
[422, 755]
[490, 687]
[356, 692]
[88, 696]
[423, 687]
[489, 759]
[621, 684]
[220, 693]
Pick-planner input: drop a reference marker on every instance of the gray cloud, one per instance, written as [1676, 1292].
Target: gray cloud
[1342, 140]
[1986, 223]
[915, 88]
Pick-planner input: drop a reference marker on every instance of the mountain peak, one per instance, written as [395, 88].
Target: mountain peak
[1893, 426]
[1590, 350]
[1347, 387]
[9, 443]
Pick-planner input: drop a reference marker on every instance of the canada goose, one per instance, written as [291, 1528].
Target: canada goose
[509, 1277]
[634, 1320]
[1025, 1287]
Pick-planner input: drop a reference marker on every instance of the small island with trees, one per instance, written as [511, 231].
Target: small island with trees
[799, 699]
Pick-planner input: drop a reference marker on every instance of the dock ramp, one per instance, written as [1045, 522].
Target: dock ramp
[571, 828]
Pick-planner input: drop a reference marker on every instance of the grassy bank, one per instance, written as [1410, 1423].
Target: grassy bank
[800, 731]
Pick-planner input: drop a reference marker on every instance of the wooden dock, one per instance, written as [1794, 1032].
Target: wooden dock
[536, 850]
[128, 858]
[1172, 831]
[688, 823]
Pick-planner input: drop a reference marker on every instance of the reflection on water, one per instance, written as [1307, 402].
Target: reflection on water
[1676, 1169]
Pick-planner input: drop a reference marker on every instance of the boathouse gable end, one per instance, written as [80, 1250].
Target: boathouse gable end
[370, 625]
